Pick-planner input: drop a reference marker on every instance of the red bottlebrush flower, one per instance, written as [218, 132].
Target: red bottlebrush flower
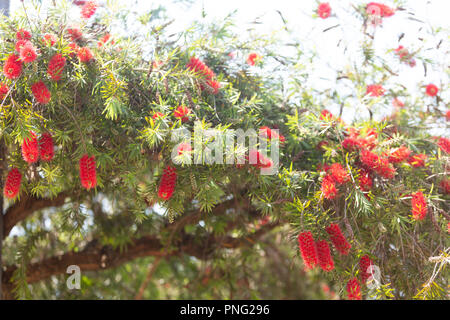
[398, 103]
[269, 134]
[184, 147]
[75, 33]
[30, 149]
[12, 183]
[444, 144]
[79, 2]
[167, 183]
[308, 249]
[74, 48]
[419, 206]
[158, 115]
[447, 115]
[12, 67]
[49, 39]
[324, 10]
[431, 90]
[365, 181]
[85, 54]
[3, 91]
[445, 186]
[28, 53]
[257, 159]
[379, 9]
[20, 44]
[326, 115]
[46, 147]
[328, 187]
[214, 86]
[375, 90]
[351, 144]
[417, 160]
[104, 40]
[253, 58]
[385, 169]
[197, 66]
[402, 52]
[399, 154]
[338, 239]
[364, 264]
[369, 159]
[353, 289]
[41, 92]
[321, 145]
[324, 256]
[182, 113]
[56, 66]
[88, 9]
[338, 173]
[23, 35]
[88, 173]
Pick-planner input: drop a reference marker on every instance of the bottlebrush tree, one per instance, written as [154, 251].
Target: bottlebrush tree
[90, 117]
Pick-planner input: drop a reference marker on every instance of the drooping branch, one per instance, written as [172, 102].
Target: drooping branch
[96, 257]
[20, 210]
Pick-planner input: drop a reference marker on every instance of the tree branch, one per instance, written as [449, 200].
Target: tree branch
[96, 257]
[20, 210]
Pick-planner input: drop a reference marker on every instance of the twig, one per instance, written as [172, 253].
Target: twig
[151, 270]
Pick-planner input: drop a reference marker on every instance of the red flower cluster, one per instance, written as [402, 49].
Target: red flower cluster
[104, 40]
[417, 160]
[3, 91]
[431, 90]
[56, 66]
[182, 113]
[419, 206]
[357, 141]
[324, 256]
[41, 92]
[23, 35]
[338, 173]
[197, 66]
[269, 134]
[353, 289]
[399, 154]
[444, 144]
[27, 52]
[88, 9]
[12, 183]
[88, 173]
[157, 115]
[378, 164]
[253, 58]
[167, 183]
[364, 264]
[326, 115]
[324, 10]
[75, 33]
[85, 54]
[258, 160]
[405, 56]
[46, 148]
[49, 39]
[375, 90]
[365, 181]
[338, 239]
[445, 185]
[328, 187]
[12, 67]
[379, 9]
[308, 249]
[30, 148]
[73, 49]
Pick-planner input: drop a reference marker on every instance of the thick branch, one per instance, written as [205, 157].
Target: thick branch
[96, 257]
[25, 207]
